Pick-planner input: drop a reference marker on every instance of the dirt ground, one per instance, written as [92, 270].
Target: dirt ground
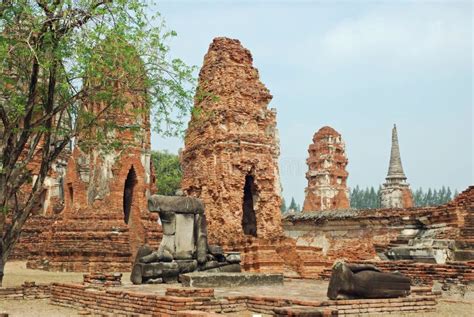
[16, 273]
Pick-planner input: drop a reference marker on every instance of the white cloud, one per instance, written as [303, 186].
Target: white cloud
[411, 34]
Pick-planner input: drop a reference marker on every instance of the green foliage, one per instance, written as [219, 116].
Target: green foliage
[64, 66]
[293, 206]
[167, 172]
[78, 42]
[432, 197]
[365, 198]
[368, 198]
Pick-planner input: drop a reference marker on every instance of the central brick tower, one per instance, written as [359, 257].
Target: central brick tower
[231, 148]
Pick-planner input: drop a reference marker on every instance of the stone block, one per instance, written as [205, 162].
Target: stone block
[167, 243]
[201, 245]
[216, 250]
[156, 269]
[204, 279]
[187, 266]
[233, 257]
[184, 239]
[224, 267]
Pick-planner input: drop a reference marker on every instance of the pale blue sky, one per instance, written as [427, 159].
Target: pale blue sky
[358, 66]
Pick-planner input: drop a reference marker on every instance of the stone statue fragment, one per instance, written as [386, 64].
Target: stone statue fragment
[366, 281]
[184, 246]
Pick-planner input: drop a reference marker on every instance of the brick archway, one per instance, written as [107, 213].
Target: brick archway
[128, 189]
[249, 219]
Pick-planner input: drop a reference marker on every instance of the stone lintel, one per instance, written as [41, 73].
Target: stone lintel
[202, 279]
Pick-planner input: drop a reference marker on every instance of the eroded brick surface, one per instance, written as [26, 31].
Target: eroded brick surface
[327, 175]
[105, 218]
[355, 235]
[231, 148]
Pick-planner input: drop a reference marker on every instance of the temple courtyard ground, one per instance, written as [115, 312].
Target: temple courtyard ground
[17, 274]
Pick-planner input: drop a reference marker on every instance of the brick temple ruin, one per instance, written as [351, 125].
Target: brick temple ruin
[104, 193]
[417, 241]
[396, 191]
[230, 161]
[231, 148]
[327, 175]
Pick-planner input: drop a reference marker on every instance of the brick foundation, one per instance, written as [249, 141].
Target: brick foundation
[30, 244]
[189, 301]
[29, 290]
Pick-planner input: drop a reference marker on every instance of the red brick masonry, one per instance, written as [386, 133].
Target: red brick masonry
[29, 290]
[176, 300]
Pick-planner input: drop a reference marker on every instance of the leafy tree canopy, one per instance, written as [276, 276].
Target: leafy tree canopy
[58, 56]
[293, 205]
[368, 198]
[167, 172]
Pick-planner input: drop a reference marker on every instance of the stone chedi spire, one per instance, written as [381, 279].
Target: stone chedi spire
[327, 175]
[395, 169]
[230, 159]
[396, 191]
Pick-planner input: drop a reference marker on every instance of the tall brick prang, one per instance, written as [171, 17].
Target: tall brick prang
[396, 191]
[327, 175]
[232, 148]
[108, 179]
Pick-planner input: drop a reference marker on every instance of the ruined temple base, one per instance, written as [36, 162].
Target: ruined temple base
[177, 301]
[293, 297]
[90, 241]
[260, 256]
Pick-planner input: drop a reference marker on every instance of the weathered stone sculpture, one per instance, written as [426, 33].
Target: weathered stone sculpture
[366, 281]
[184, 247]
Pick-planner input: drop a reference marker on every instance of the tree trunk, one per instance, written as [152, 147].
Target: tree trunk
[2, 264]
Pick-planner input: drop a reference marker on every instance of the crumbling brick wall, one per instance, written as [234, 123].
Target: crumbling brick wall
[364, 234]
[106, 187]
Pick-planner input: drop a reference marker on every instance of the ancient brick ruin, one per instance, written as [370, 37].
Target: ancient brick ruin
[429, 243]
[231, 148]
[105, 220]
[230, 162]
[396, 191]
[327, 175]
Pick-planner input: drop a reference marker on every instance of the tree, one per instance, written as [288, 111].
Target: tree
[428, 201]
[449, 194]
[293, 206]
[368, 198]
[283, 206]
[167, 172]
[47, 50]
[418, 197]
[373, 198]
[456, 193]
